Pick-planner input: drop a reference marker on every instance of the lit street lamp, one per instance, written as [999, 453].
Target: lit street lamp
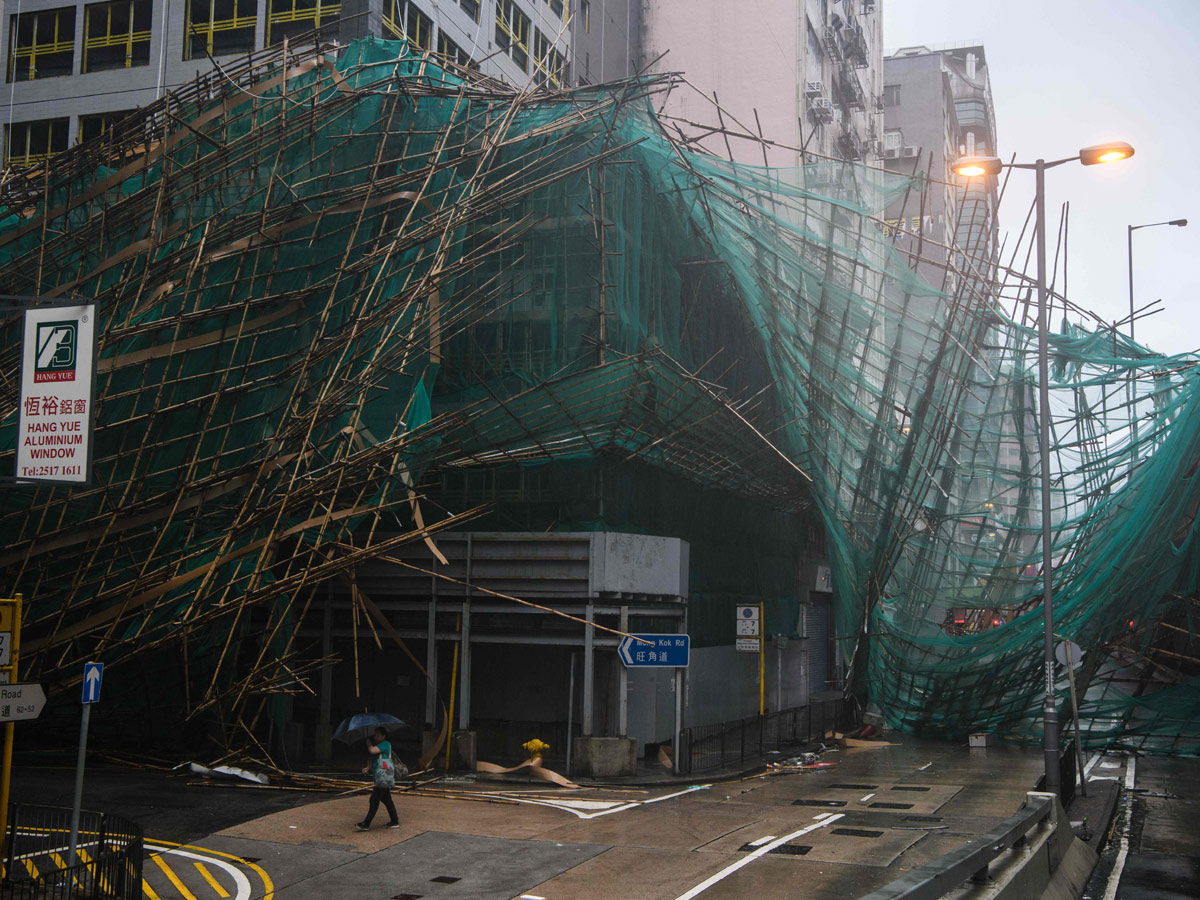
[971, 167]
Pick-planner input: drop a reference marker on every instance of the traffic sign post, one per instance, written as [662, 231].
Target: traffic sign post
[748, 629]
[639, 650]
[93, 673]
[10, 627]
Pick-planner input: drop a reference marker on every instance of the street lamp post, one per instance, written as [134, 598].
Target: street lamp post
[1129, 234]
[1131, 392]
[974, 166]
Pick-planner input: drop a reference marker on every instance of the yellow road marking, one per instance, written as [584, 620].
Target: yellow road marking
[173, 878]
[268, 885]
[203, 870]
[31, 868]
[100, 879]
[149, 892]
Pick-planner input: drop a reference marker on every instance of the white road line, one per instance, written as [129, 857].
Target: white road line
[242, 882]
[1114, 877]
[749, 858]
[1087, 770]
[570, 805]
[866, 798]
[762, 840]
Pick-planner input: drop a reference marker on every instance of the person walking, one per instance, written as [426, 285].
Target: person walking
[383, 770]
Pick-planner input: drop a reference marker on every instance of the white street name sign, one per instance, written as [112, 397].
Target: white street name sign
[21, 701]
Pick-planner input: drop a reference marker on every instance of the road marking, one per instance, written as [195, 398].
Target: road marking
[866, 798]
[172, 877]
[100, 879]
[149, 892]
[242, 882]
[762, 840]
[1114, 877]
[600, 807]
[755, 854]
[213, 883]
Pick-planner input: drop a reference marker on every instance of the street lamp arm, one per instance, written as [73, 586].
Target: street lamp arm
[1178, 222]
[1044, 165]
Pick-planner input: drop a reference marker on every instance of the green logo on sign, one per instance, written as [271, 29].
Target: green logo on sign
[57, 345]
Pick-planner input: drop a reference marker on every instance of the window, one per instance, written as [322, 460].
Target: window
[43, 44]
[116, 35]
[453, 52]
[289, 18]
[512, 32]
[407, 22]
[891, 95]
[219, 27]
[558, 7]
[892, 140]
[548, 64]
[92, 127]
[33, 142]
[471, 8]
[585, 11]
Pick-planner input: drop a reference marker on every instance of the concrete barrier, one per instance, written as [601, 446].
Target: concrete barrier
[604, 757]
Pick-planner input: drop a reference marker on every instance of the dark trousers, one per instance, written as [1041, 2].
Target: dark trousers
[380, 795]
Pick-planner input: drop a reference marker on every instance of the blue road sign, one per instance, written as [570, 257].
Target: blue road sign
[655, 650]
[93, 672]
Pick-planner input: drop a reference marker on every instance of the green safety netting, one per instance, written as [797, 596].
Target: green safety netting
[320, 278]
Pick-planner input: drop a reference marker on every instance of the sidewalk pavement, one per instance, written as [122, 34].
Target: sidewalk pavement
[903, 802]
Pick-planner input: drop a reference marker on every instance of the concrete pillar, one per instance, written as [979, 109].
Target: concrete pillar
[623, 683]
[464, 668]
[324, 731]
[589, 669]
[464, 656]
[431, 656]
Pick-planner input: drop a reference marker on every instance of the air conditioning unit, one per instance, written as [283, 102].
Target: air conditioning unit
[814, 88]
[891, 152]
[821, 108]
[909, 152]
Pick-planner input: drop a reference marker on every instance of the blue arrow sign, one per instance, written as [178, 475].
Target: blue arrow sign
[93, 672]
[655, 650]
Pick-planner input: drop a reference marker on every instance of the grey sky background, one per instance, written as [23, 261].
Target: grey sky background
[1066, 74]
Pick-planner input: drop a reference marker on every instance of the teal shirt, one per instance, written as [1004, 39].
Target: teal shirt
[385, 752]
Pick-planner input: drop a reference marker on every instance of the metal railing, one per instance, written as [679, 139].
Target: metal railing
[752, 738]
[36, 864]
[971, 861]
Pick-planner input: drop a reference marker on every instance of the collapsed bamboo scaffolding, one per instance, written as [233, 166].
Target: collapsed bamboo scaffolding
[292, 254]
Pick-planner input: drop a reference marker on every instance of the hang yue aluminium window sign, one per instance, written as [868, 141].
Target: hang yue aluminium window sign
[57, 395]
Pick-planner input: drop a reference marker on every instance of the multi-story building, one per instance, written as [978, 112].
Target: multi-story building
[72, 67]
[937, 107]
[804, 75]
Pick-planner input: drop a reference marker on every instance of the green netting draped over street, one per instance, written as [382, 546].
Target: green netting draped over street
[325, 278]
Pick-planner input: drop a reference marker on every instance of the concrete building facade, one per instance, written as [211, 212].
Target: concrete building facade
[803, 74]
[70, 68]
[937, 107]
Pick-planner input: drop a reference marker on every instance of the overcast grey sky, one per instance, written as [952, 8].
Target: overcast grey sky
[1069, 73]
